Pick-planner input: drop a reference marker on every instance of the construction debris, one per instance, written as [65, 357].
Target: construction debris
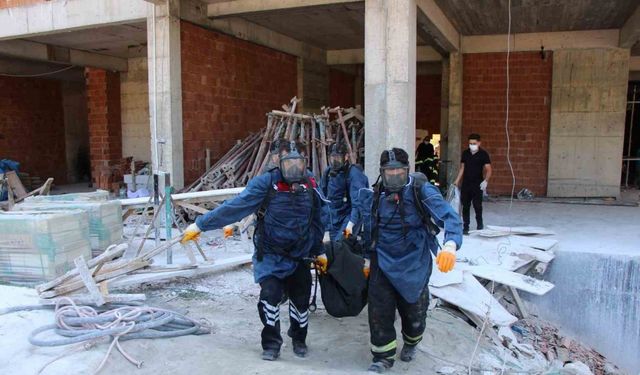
[37, 246]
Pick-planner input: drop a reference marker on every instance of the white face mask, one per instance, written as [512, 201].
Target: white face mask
[473, 148]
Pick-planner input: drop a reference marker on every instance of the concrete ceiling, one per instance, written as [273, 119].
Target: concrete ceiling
[125, 40]
[482, 17]
[328, 27]
[22, 67]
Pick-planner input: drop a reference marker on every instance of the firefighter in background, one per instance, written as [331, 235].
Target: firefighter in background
[426, 161]
[289, 230]
[340, 183]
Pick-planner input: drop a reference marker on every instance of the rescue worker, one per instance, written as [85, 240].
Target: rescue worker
[401, 210]
[426, 160]
[340, 183]
[289, 230]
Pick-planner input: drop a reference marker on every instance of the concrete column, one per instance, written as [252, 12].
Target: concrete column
[444, 124]
[358, 87]
[165, 89]
[313, 85]
[390, 79]
[454, 126]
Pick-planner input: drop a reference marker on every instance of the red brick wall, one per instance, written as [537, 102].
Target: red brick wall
[228, 85]
[19, 3]
[483, 112]
[341, 88]
[32, 126]
[428, 94]
[105, 128]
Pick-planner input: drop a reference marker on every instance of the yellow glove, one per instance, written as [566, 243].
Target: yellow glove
[366, 269]
[348, 230]
[228, 231]
[191, 233]
[446, 258]
[321, 263]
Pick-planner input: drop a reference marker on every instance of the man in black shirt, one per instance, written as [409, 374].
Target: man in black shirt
[475, 172]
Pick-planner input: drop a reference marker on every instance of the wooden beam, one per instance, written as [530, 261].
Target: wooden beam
[433, 25]
[24, 49]
[533, 41]
[630, 31]
[241, 7]
[356, 56]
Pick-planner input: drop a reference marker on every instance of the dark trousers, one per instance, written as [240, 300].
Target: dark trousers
[468, 196]
[383, 302]
[272, 293]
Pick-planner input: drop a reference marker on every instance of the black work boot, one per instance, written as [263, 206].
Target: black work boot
[480, 225]
[270, 354]
[300, 349]
[408, 353]
[465, 231]
[380, 365]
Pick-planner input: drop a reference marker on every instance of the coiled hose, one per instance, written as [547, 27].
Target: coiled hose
[89, 325]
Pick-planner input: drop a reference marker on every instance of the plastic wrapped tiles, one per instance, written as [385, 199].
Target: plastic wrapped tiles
[105, 218]
[98, 195]
[37, 246]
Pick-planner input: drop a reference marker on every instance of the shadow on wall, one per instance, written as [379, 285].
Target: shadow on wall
[597, 300]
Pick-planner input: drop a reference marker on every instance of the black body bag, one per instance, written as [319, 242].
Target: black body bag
[344, 287]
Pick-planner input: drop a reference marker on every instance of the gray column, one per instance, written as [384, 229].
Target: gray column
[444, 123]
[390, 79]
[454, 126]
[313, 85]
[165, 89]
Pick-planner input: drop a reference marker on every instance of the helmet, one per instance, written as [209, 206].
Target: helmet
[394, 169]
[293, 165]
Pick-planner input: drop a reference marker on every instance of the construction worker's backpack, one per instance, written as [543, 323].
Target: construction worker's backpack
[344, 287]
[419, 179]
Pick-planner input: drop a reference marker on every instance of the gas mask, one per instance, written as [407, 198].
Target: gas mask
[473, 148]
[336, 162]
[293, 166]
[395, 174]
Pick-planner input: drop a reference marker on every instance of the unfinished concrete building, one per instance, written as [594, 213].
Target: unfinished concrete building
[85, 83]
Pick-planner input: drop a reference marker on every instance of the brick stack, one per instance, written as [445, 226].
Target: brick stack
[32, 126]
[228, 85]
[105, 129]
[484, 108]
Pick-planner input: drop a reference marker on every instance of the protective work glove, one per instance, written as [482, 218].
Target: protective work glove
[366, 268]
[191, 233]
[348, 230]
[446, 258]
[321, 263]
[227, 231]
[483, 185]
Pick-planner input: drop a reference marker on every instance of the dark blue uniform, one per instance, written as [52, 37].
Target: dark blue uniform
[342, 190]
[293, 230]
[401, 261]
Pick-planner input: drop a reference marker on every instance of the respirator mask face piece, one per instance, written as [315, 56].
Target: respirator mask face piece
[395, 175]
[293, 166]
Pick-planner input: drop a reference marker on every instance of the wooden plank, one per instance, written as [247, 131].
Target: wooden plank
[512, 279]
[519, 303]
[192, 207]
[479, 322]
[106, 256]
[89, 283]
[202, 269]
[15, 184]
[472, 296]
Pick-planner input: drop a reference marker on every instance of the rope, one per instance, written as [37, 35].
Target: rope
[88, 326]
